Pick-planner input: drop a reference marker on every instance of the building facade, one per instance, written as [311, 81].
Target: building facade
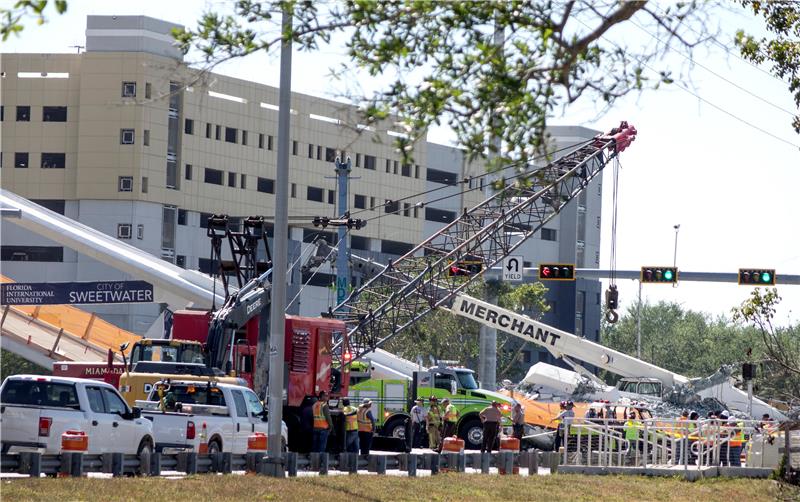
[128, 139]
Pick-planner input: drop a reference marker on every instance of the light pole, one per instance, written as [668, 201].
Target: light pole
[675, 254]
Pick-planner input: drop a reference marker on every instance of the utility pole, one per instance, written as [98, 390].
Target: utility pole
[487, 358]
[274, 460]
[342, 257]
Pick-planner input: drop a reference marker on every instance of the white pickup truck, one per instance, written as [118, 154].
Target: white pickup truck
[36, 410]
[195, 416]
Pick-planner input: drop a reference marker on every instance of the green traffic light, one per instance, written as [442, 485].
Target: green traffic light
[765, 277]
[668, 275]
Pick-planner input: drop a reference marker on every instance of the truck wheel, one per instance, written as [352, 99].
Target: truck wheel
[144, 453]
[214, 447]
[471, 431]
[395, 428]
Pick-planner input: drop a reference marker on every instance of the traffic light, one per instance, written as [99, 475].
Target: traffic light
[664, 275]
[556, 271]
[757, 276]
[465, 268]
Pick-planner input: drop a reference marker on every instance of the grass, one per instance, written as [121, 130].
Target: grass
[445, 487]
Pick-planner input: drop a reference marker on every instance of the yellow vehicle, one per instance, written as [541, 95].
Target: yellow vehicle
[154, 360]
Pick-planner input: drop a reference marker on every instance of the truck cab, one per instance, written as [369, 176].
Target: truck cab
[393, 399]
[641, 385]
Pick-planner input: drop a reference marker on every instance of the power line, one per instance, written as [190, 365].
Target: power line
[709, 70]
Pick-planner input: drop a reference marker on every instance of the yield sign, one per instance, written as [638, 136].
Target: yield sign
[512, 268]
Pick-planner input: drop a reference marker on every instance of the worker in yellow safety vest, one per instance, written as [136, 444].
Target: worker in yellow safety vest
[450, 419]
[322, 423]
[736, 442]
[350, 426]
[632, 428]
[687, 432]
[366, 426]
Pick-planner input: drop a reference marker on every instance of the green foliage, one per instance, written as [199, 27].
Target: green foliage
[12, 364]
[782, 49]
[444, 335]
[447, 67]
[11, 18]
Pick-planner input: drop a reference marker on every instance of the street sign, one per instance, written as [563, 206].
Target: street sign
[512, 268]
[75, 293]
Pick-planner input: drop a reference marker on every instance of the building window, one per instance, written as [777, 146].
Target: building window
[125, 184]
[406, 209]
[232, 180]
[230, 134]
[243, 182]
[188, 173]
[32, 253]
[369, 162]
[360, 202]
[395, 247]
[188, 126]
[416, 211]
[244, 137]
[218, 132]
[124, 230]
[208, 131]
[372, 203]
[204, 217]
[439, 215]
[294, 147]
[331, 196]
[265, 185]
[146, 137]
[394, 169]
[144, 184]
[416, 171]
[140, 231]
[23, 114]
[55, 205]
[438, 176]
[330, 155]
[53, 160]
[129, 89]
[54, 114]
[388, 166]
[358, 160]
[126, 136]
[269, 143]
[294, 191]
[359, 242]
[315, 194]
[406, 170]
[319, 152]
[148, 90]
[549, 234]
[391, 207]
[182, 216]
[21, 159]
[310, 151]
[2, 113]
[213, 176]
[261, 140]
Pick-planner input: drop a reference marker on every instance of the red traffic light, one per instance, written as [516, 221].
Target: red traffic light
[557, 272]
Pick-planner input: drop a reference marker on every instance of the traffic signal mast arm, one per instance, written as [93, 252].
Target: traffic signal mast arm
[561, 343]
[418, 282]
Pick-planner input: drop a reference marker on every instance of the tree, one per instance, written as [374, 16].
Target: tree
[11, 18]
[446, 66]
[782, 50]
[12, 364]
[444, 335]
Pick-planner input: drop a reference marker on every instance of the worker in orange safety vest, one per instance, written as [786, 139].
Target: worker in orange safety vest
[366, 426]
[322, 423]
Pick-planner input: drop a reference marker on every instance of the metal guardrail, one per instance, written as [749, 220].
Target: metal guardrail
[78, 464]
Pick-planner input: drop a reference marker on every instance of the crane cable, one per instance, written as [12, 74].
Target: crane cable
[612, 295]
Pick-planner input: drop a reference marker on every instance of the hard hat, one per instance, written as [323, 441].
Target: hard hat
[366, 401]
[725, 414]
[445, 400]
[419, 400]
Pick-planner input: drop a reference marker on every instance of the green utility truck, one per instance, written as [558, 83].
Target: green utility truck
[393, 398]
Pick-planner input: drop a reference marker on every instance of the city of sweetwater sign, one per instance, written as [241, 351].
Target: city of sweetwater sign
[75, 293]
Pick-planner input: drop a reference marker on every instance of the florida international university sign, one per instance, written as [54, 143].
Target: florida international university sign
[75, 293]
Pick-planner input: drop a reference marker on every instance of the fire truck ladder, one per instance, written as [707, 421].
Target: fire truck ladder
[421, 280]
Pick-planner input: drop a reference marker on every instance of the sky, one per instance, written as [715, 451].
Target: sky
[714, 159]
